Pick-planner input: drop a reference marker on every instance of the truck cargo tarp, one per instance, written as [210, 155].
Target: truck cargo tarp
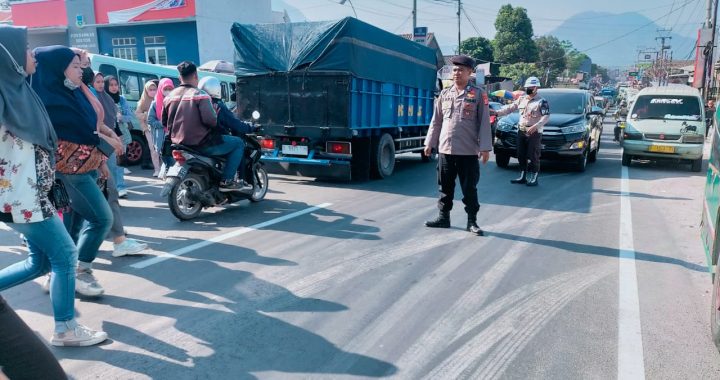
[348, 45]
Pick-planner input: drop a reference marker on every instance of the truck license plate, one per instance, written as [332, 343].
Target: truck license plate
[295, 150]
[662, 149]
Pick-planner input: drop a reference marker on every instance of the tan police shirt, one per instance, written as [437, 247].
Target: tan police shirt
[533, 112]
[461, 122]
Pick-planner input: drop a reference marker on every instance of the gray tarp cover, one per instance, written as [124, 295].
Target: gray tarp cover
[348, 45]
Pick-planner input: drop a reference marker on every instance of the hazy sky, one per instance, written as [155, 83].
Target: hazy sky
[546, 15]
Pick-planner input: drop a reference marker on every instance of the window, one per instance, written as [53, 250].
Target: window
[154, 40]
[132, 83]
[156, 55]
[126, 41]
[224, 91]
[124, 47]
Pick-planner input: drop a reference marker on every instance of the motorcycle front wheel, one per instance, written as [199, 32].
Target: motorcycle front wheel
[179, 200]
[260, 183]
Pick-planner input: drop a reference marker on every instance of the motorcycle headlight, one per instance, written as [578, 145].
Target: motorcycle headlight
[575, 128]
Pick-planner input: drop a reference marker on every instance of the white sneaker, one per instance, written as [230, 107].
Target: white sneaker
[128, 247]
[80, 336]
[127, 171]
[122, 193]
[155, 174]
[46, 283]
[86, 284]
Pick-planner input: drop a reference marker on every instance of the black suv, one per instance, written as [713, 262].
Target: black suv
[572, 134]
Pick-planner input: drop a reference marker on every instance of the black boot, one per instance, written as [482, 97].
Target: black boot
[532, 179]
[520, 180]
[442, 221]
[473, 228]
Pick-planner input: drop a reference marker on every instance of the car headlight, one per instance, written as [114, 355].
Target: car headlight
[576, 128]
[693, 139]
[505, 127]
[578, 145]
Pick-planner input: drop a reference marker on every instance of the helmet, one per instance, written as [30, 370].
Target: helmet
[211, 85]
[532, 82]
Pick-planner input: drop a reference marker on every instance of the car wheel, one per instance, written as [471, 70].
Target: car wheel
[136, 150]
[502, 160]
[715, 308]
[626, 158]
[582, 161]
[594, 155]
[697, 165]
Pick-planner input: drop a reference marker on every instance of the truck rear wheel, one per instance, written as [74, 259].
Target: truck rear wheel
[383, 157]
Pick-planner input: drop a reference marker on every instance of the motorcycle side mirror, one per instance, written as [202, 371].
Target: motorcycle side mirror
[256, 115]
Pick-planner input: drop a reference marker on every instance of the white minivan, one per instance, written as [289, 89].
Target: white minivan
[666, 123]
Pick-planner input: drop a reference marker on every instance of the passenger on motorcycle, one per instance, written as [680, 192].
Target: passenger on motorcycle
[189, 115]
[620, 116]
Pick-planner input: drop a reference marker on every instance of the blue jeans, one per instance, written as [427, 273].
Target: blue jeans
[233, 149]
[90, 218]
[117, 172]
[51, 249]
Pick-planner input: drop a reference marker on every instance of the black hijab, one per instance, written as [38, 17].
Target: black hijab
[116, 96]
[21, 110]
[71, 113]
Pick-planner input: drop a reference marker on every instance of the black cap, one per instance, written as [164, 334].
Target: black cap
[463, 60]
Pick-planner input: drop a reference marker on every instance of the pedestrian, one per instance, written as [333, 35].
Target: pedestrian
[124, 116]
[460, 131]
[534, 114]
[709, 114]
[154, 120]
[28, 147]
[141, 112]
[83, 146]
[110, 119]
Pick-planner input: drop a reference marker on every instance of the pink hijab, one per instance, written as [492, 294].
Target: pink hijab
[159, 97]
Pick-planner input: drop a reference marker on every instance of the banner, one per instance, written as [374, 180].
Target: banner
[704, 37]
[126, 15]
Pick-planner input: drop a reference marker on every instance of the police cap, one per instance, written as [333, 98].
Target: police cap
[463, 60]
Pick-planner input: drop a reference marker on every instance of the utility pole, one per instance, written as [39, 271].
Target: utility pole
[711, 24]
[664, 65]
[458, 14]
[414, 17]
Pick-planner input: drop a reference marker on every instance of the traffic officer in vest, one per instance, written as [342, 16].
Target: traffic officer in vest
[460, 131]
[534, 114]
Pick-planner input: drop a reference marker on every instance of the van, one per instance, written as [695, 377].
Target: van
[666, 123]
[132, 76]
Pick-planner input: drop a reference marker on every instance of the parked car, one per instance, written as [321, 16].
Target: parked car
[666, 122]
[573, 133]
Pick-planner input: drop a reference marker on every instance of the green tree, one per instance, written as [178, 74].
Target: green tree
[519, 72]
[552, 57]
[573, 58]
[513, 41]
[479, 48]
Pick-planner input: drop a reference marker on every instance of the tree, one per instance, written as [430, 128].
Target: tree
[479, 48]
[551, 55]
[519, 72]
[513, 40]
[573, 58]
[600, 70]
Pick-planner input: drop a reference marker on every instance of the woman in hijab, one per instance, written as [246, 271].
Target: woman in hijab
[155, 117]
[27, 174]
[141, 112]
[80, 159]
[110, 119]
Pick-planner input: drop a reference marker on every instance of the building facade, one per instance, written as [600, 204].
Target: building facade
[156, 31]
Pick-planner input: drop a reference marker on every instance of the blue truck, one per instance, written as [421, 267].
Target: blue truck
[337, 99]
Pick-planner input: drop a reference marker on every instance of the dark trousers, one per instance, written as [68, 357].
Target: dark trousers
[467, 169]
[22, 354]
[528, 148]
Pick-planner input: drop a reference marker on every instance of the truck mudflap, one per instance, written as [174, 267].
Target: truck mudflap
[322, 168]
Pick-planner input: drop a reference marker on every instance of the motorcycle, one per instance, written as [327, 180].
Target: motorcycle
[193, 183]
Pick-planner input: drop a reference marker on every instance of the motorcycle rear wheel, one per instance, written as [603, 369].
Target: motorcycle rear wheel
[178, 200]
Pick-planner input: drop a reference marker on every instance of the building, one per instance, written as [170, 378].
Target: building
[156, 31]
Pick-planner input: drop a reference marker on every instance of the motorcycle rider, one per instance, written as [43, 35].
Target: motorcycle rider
[192, 121]
[225, 118]
[620, 115]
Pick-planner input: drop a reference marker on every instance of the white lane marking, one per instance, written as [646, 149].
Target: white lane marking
[631, 362]
[143, 186]
[193, 247]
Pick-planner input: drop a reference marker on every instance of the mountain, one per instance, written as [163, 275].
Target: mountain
[589, 29]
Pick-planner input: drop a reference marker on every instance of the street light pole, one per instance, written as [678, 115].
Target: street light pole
[459, 12]
[414, 15]
[342, 2]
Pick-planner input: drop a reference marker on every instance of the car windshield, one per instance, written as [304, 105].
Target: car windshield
[668, 107]
[567, 103]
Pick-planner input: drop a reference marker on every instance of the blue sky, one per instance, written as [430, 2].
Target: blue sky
[394, 15]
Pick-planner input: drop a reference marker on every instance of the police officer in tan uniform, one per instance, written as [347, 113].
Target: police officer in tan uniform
[534, 114]
[460, 131]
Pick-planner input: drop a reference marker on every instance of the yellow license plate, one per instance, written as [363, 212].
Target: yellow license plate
[662, 149]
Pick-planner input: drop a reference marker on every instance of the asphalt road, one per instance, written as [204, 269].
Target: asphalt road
[589, 276]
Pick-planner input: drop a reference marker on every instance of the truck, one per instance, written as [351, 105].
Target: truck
[337, 99]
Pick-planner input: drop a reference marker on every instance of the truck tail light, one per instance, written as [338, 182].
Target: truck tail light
[338, 147]
[179, 157]
[268, 144]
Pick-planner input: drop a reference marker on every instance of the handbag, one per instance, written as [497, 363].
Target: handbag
[58, 195]
[75, 158]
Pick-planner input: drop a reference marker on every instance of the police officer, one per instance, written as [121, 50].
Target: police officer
[460, 131]
[534, 114]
